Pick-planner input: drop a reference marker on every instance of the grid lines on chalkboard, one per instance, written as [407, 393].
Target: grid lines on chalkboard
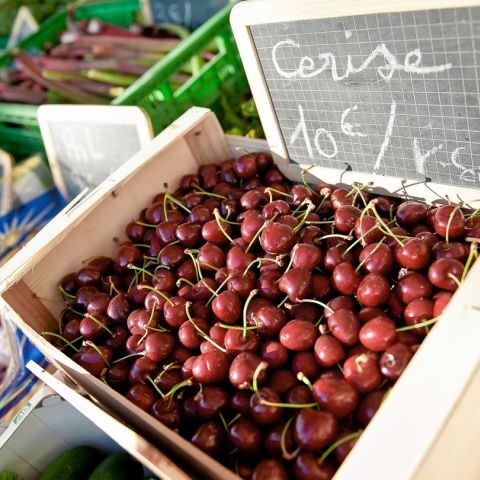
[429, 119]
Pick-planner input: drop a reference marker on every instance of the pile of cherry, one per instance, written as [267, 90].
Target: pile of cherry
[266, 321]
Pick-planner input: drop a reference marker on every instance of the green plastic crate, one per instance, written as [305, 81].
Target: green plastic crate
[223, 75]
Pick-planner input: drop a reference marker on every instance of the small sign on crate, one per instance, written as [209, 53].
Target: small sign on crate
[85, 144]
[380, 90]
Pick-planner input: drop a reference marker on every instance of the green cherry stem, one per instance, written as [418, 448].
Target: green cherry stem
[449, 223]
[201, 191]
[302, 378]
[65, 294]
[288, 405]
[472, 254]
[90, 344]
[335, 445]
[186, 383]
[126, 357]
[143, 224]
[310, 207]
[316, 302]
[157, 291]
[155, 386]
[260, 368]
[426, 323]
[285, 453]
[215, 294]
[245, 308]
[61, 337]
[181, 280]
[360, 265]
[147, 326]
[99, 323]
[219, 221]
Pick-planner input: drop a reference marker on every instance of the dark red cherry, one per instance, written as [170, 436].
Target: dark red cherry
[238, 260]
[236, 342]
[246, 436]
[142, 396]
[362, 372]
[307, 467]
[368, 406]
[449, 221]
[394, 360]
[345, 278]
[168, 411]
[336, 255]
[296, 283]
[418, 311]
[335, 395]
[337, 303]
[441, 300]
[414, 255]
[270, 469]
[345, 218]
[210, 437]
[367, 230]
[210, 368]
[328, 351]
[118, 308]
[314, 429]
[298, 335]
[306, 256]
[344, 326]
[373, 290]
[211, 401]
[455, 250]
[242, 370]
[305, 363]
[412, 286]
[377, 258]
[251, 224]
[277, 238]
[411, 213]
[445, 273]
[378, 334]
[269, 320]
[159, 346]
[245, 166]
[263, 413]
[274, 353]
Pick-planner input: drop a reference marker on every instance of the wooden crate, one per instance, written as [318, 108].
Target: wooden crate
[424, 428]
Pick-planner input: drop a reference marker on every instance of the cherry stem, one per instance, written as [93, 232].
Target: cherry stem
[90, 344]
[144, 271]
[61, 337]
[360, 265]
[150, 320]
[142, 245]
[99, 323]
[450, 218]
[157, 291]
[196, 266]
[234, 419]
[343, 440]
[316, 302]
[255, 237]
[65, 294]
[340, 368]
[302, 378]
[245, 308]
[288, 405]
[358, 192]
[320, 222]
[383, 224]
[333, 235]
[269, 190]
[236, 327]
[280, 304]
[277, 260]
[426, 323]
[219, 220]
[201, 191]
[216, 214]
[215, 294]
[451, 276]
[170, 198]
[223, 421]
[181, 280]
[260, 368]
[112, 286]
[285, 453]
[126, 357]
[155, 386]
[310, 207]
[166, 368]
[472, 254]
[186, 383]
[143, 224]
[200, 332]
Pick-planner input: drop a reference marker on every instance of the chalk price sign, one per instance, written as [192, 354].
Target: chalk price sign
[392, 94]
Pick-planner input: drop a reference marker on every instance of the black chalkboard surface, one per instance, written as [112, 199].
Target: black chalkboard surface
[189, 13]
[86, 144]
[393, 94]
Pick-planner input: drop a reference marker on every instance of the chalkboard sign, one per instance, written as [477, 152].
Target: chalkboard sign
[368, 88]
[189, 13]
[85, 144]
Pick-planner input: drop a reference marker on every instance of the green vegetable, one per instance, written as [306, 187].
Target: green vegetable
[249, 109]
[74, 464]
[118, 466]
[8, 476]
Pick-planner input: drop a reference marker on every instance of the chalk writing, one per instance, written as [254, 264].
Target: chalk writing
[308, 68]
[347, 128]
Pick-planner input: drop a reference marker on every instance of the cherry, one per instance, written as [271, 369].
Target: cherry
[441, 271]
[362, 372]
[345, 447]
[159, 346]
[274, 353]
[94, 360]
[174, 311]
[394, 360]
[345, 279]
[411, 213]
[429, 237]
[369, 313]
[449, 221]
[209, 437]
[472, 227]
[306, 256]
[306, 467]
[141, 368]
[412, 286]
[139, 320]
[210, 368]
[310, 234]
[373, 290]
[245, 166]
[298, 335]
[455, 250]
[126, 255]
[335, 395]
[376, 258]
[133, 344]
[345, 218]
[399, 232]
[321, 286]
[300, 193]
[338, 303]
[441, 300]
[242, 370]
[414, 255]
[242, 284]
[117, 375]
[212, 400]
[167, 410]
[172, 255]
[299, 394]
[200, 214]
[238, 260]
[118, 338]
[118, 308]
[227, 307]
[336, 255]
[253, 199]
[252, 222]
[314, 429]
[273, 440]
[88, 277]
[344, 326]
[277, 238]
[211, 257]
[273, 176]
[368, 406]
[417, 311]
[69, 284]
[92, 328]
[261, 412]
[296, 283]
[270, 469]
[240, 402]
[275, 208]
[246, 436]
[267, 284]
[341, 197]
[378, 334]
[71, 329]
[305, 363]
[189, 234]
[236, 342]
[367, 230]
[142, 396]
[328, 351]
[269, 320]
[216, 232]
